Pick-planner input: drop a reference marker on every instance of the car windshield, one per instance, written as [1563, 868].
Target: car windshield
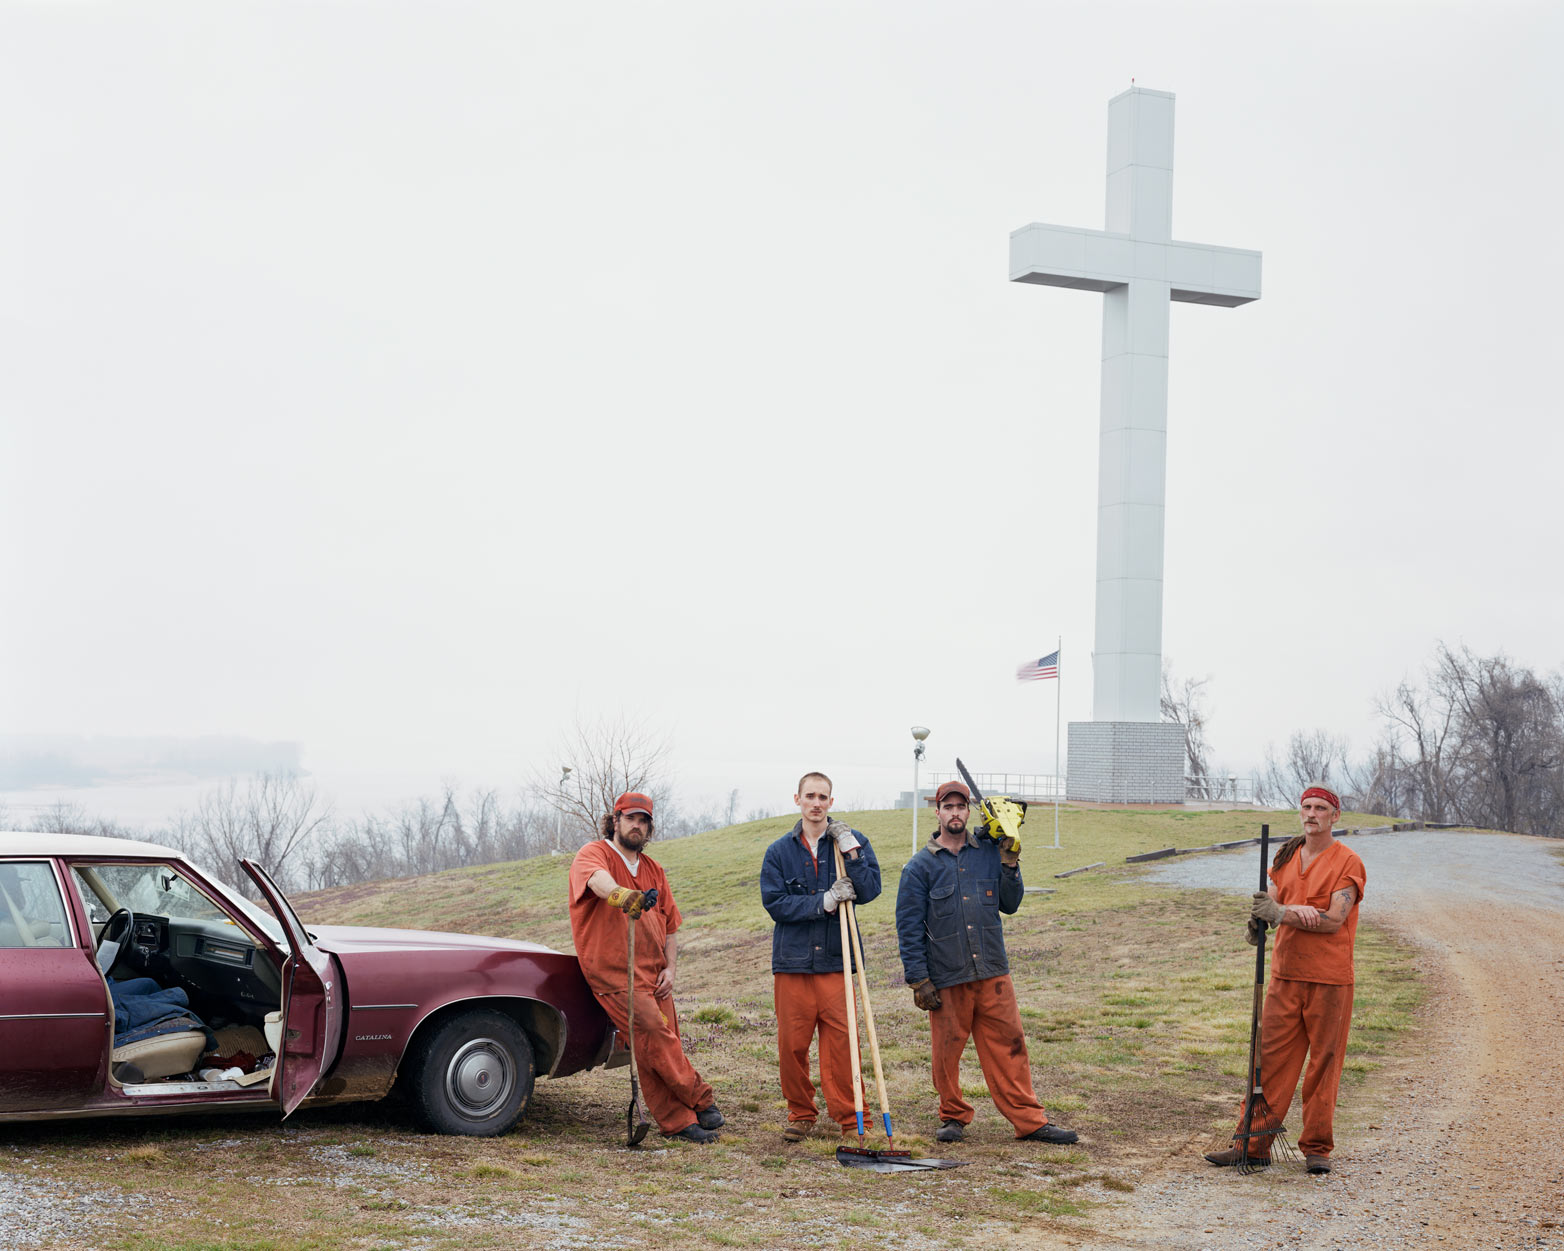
[265, 920]
[160, 890]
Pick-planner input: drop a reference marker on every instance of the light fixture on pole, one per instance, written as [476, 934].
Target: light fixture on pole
[559, 813]
[919, 733]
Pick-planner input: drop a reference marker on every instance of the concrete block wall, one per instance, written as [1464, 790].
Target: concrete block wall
[1126, 762]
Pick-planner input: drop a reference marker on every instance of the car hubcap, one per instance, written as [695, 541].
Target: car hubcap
[480, 1077]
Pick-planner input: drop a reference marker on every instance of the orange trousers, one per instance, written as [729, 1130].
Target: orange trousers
[807, 1002]
[986, 1012]
[1303, 1018]
[673, 1090]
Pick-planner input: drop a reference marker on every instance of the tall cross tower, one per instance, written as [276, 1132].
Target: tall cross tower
[1125, 754]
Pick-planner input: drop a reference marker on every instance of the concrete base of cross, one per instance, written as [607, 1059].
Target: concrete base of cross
[1125, 762]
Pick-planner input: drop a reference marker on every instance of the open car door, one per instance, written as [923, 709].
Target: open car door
[311, 1003]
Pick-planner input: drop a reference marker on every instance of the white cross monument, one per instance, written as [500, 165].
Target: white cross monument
[1126, 754]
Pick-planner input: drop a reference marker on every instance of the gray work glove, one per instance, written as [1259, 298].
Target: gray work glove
[840, 890]
[1254, 932]
[1267, 909]
[843, 834]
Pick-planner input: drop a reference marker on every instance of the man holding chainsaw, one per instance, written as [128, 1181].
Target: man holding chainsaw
[611, 881]
[800, 888]
[953, 956]
[1316, 886]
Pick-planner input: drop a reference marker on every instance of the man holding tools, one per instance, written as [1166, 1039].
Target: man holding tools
[1316, 886]
[801, 889]
[610, 880]
[953, 956]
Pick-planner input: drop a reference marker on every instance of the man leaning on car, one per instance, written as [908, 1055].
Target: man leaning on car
[609, 881]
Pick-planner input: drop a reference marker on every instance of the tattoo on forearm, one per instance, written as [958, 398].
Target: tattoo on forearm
[1342, 901]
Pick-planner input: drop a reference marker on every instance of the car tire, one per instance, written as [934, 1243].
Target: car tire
[473, 1075]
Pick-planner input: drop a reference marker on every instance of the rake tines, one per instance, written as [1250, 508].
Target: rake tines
[1257, 1112]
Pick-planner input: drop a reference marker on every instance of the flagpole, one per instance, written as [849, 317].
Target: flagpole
[1058, 699]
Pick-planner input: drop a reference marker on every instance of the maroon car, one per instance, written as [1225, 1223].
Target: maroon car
[320, 1014]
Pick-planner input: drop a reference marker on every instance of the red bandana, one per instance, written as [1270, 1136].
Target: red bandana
[1319, 792]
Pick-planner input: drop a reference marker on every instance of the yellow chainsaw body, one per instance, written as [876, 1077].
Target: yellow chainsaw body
[1004, 817]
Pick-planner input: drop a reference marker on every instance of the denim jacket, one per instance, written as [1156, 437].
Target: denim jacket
[947, 913]
[807, 938]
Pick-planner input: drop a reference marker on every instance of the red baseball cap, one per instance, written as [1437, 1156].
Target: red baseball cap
[634, 801]
[952, 788]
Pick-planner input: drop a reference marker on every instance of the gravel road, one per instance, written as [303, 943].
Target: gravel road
[1459, 1144]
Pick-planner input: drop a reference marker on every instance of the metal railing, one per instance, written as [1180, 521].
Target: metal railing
[1032, 787]
[1220, 789]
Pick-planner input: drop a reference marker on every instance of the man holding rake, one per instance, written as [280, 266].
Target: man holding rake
[801, 890]
[1316, 886]
[953, 956]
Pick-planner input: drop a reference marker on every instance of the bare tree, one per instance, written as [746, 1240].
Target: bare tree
[1313, 758]
[63, 817]
[606, 758]
[270, 818]
[1184, 702]
[1510, 740]
[1421, 733]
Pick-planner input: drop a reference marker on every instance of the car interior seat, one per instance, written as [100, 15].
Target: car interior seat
[163, 1055]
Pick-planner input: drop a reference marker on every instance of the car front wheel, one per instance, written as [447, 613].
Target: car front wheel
[473, 1075]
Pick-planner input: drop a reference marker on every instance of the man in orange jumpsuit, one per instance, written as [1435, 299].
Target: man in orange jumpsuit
[952, 946]
[609, 880]
[801, 891]
[1316, 886]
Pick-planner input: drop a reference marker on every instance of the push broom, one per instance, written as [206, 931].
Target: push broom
[888, 1159]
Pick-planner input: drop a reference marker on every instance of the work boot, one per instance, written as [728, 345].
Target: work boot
[709, 1118]
[1317, 1163]
[693, 1133]
[1051, 1133]
[949, 1131]
[797, 1131]
[1235, 1155]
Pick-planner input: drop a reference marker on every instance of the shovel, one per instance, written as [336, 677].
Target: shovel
[889, 1160]
[636, 1120]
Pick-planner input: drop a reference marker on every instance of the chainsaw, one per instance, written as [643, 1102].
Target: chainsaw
[1002, 817]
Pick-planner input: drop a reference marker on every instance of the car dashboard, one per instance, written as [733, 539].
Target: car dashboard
[212, 960]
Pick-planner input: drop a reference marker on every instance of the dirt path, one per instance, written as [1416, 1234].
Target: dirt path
[1459, 1144]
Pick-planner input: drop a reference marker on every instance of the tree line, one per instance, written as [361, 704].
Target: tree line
[281, 821]
[1474, 740]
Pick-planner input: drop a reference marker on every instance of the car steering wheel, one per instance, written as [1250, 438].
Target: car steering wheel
[112, 939]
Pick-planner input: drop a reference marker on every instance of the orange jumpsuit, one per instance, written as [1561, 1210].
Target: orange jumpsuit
[673, 1090]
[987, 1012]
[1308, 1006]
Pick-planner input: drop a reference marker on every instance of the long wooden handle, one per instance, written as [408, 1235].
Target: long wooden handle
[868, 1006]
[852, 1016]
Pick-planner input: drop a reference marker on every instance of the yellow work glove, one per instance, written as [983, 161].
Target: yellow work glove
[630, 902]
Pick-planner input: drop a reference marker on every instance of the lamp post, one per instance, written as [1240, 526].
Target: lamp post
[919, 733]
[559, 813]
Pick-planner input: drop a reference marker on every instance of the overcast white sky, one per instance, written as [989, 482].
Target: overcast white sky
[406, 379]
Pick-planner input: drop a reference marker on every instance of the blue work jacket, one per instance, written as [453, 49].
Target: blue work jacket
[947, 913]
[807, 938]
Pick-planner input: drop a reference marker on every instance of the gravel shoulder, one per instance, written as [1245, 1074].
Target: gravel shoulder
[1460, 1141]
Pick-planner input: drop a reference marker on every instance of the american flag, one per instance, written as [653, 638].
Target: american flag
[1039, 670]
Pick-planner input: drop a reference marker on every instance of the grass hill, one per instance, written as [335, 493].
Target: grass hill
[1135, 998]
